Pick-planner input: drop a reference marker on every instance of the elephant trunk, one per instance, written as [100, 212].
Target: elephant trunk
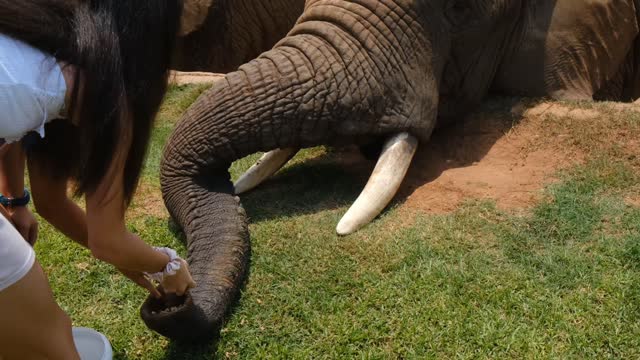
[218, 255]
[200, 197]
[317, 86]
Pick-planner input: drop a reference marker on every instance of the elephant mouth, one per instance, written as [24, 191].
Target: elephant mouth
[176, 317]
[391, 168]
[169, 303]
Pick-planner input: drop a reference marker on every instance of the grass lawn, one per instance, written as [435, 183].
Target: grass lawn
[561, 280]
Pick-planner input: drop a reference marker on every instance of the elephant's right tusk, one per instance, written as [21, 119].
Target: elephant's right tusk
[383, 184]
[266, 166]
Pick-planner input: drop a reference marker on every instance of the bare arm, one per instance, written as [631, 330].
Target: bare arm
[110, 241]
[52, 203]
[12, 171]
[12, 164]
[108, 237]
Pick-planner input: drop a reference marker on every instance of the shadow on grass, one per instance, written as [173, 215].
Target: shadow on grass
[177, 351]
[315, 185]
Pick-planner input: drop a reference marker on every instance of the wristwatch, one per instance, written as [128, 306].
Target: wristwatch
[21, 201]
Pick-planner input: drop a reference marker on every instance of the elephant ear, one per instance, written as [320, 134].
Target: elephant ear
[194, 14]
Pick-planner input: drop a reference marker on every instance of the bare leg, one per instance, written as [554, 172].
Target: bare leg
[33, 326]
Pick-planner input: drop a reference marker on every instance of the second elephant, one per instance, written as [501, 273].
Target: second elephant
[220, 35]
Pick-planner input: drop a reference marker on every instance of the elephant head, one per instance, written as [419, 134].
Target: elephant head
[354, 71]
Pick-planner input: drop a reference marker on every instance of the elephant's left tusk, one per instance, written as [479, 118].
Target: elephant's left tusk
[266, 166]
[383, 184]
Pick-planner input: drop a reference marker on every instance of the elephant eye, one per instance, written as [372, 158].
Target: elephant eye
[458, 11]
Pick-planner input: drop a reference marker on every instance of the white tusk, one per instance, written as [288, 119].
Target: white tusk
[383, 184]
[266, 166]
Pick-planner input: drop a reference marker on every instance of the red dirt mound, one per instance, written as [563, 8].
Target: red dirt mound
[493, 155]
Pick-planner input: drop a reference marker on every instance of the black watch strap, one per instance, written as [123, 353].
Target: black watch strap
[21, 201]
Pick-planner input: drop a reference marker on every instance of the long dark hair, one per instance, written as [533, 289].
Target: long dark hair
[123, 50]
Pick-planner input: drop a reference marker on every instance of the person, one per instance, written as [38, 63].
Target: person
[99, 70]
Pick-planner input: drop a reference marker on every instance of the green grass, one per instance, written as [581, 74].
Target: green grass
[176, 102]
[561, 281]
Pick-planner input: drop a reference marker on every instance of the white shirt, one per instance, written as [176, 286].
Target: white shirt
[32, 89]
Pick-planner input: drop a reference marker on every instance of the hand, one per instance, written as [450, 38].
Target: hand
[180, 282]
[142, 281]
[25, 222]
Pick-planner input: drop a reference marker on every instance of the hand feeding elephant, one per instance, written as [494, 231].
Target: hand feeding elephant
[362, 70]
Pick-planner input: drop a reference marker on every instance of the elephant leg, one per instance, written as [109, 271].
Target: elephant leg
[218, 36]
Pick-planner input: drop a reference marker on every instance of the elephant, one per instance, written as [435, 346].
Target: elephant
[363, 72]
